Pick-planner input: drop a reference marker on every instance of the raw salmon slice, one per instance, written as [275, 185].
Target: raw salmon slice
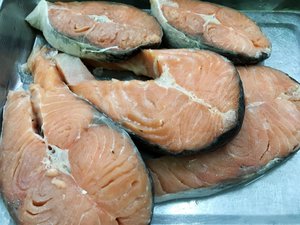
[194, 103]
[99, 30]
[37, 192]
[83, 164]
[197, 24]
[270, 133]
[62, 115]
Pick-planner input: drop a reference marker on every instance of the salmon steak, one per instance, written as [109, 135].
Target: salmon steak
[269, 134]
[62, 162]
[105, 31]
[197, 24]
[193, 102]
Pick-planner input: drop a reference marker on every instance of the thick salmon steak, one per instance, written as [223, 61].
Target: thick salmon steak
[62, 162]
[197, 24]
[270, 133]
[105, 31]
[193, 103]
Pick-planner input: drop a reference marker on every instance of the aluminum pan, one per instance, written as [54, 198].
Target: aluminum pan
[274, 199]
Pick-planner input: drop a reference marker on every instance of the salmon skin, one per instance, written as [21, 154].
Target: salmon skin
[105, 31]
[70, 172]
[193, 103]
[270, 134]
[197, 24]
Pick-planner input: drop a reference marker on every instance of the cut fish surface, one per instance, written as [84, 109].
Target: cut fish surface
[32, 195]
[194, 103]
[73, 173]
[99, 30]
[270, 133]
[197, 24]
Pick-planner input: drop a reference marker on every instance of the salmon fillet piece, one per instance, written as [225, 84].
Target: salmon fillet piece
[270, 133]
[69, 159]
[197, 24]
[99, 30]
[194, 103]
[63, 116]
[37, 194]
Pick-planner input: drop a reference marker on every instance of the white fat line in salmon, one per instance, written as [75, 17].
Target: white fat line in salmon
[101, 19]
[212, 19]
[167, 81]
[291, 96]
[208, 18]
[169, 3]
[86, 50]
[254, 105]
[96, 18]
[74, 47]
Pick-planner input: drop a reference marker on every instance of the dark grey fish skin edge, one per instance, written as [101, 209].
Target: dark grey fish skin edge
[238, 59]
[243, 59]
[230, 185]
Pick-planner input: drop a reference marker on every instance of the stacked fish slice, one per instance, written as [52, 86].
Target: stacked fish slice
[203, 120]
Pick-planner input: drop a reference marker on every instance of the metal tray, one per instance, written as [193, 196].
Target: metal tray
[273, 199]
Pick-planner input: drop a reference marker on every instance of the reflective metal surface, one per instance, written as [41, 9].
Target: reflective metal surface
[272, 199]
